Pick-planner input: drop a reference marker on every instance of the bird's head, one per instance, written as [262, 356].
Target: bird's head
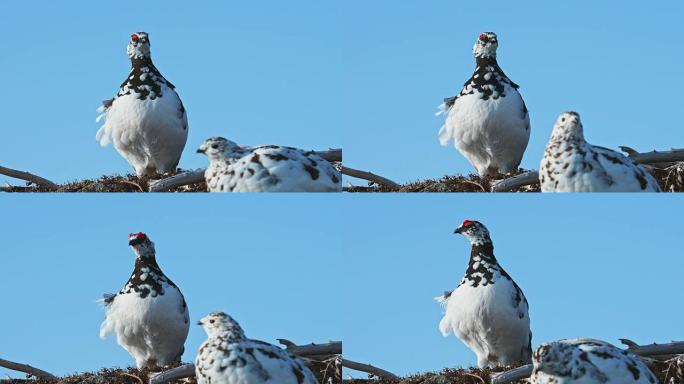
[474, 231]
[486, 45]
[139, 46]
[568, 126]
[216, 148]
[220, 323]
[141, 244]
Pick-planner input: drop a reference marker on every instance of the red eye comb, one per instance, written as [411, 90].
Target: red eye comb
[140, 235]
[134, 36]
[484, 36]
[467, 223]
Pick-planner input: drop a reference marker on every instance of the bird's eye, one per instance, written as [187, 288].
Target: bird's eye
[211, 321]
[215, 146]
[563, 120]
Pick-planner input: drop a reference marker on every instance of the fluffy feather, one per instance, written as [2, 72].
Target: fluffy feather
[570, 164]
[488, 120]
[268, 168]
[587, 361]
[228, 356]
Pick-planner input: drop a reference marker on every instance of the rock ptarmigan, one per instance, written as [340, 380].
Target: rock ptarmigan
[146, 120]
[228, 356]
[587, 361]
[149, 315]
[570, 164]
[488, 121]
[268, 168]
[487, 311]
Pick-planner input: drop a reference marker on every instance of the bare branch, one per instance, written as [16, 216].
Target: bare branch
[368, 176]
[185, 178]
[670, 156]
[287, 343]
[368, 369]
[332, 348]
[187, 370]
[527, 178]
[332, 155]
[512, 375]
[28, 177]
[673, 348]
[27, 369]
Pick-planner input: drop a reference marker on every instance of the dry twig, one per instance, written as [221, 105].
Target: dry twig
[368, 369]
[368, 176]
[28, 177]
[187, 370]
[27, 369]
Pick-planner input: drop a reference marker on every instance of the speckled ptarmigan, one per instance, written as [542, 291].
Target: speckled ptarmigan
[146, 119]
[268, 168]
[488, 121]
[587, 361]
[229, 357]
[149, 315]
[487, 311]
[570, 164]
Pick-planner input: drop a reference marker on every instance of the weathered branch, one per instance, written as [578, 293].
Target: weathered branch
[331, 348]
[332, 155]
[670, 156]
[368, 176]
[673, 348]
[527, 178]
[187, 370]
[28, 177]
[368, 369]
[185, 178]
[27, 369]
[512, 375]
[197, 176]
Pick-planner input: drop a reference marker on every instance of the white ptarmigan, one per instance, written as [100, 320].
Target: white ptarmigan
[570, 164]
[149, 315]
[488, 121]
[146, 120]
[268, 168]
[587, 361]
[487, 311]
[228, 356]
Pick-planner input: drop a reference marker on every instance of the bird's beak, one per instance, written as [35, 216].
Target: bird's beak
[199, 322]
[202, 149]
[459, 230]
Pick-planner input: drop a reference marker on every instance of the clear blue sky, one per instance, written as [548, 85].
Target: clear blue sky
[255, 72]
[602, 266]
[613, 62]
[268, 262]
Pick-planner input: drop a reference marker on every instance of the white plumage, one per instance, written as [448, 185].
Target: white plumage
[229, 357]
[146, 121]
[487, 311]
[488, 121]
[149, 315]
[570, 164]
[587, 361]
[268, 168]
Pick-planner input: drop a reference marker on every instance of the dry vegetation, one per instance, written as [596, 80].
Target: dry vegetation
[668, 372]
[326, 372]
[671, 179]
[116, 183]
